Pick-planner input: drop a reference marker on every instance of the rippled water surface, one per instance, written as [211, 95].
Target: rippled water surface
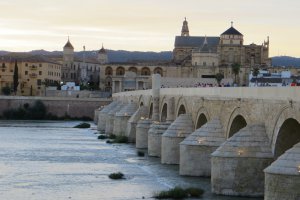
[53, 161]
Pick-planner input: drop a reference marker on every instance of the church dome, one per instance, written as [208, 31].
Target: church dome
[68, 45]
[232, 31]
[102, 50]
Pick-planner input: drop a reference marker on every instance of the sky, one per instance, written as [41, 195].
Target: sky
[144, 25]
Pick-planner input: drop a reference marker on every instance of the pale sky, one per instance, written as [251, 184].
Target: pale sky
[144, 25]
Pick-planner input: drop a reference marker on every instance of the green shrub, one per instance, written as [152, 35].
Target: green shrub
[102, 137]
[140, 154]
[6, 90]
[118, 175]
[121, 139]
[112, 136]
[194, 192]
[118, 140]
[83, 125]
[179, 193]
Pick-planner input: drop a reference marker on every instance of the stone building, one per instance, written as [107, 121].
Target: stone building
[34, 73]
[202, 56]
[81, 69]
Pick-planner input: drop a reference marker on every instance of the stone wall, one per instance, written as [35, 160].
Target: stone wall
[74, 107]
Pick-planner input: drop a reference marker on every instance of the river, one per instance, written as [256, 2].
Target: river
[50, 160]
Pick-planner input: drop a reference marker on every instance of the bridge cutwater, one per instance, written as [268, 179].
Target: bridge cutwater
[246, 139]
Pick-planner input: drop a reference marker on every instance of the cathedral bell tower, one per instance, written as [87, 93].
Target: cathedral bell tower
[102, 56]
[185, 28]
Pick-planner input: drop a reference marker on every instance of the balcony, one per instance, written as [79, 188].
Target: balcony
[33, 75]
[33, 67]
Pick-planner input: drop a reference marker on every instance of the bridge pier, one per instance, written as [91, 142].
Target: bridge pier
[122, 117]
[96, 114]
[109, 126]
[142, 129]
[154, 137]
[177, 131]
[141, 113]
[196, 149]
[238, 164]
[282, 178]
[103, 115]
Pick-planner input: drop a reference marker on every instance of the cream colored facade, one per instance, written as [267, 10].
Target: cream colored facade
[206, 56]
[34, 73]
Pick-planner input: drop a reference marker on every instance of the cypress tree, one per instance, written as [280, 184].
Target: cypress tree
[16, 77]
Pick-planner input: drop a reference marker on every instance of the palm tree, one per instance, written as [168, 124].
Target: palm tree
[219, 77]
[235, 70]
[255, 73]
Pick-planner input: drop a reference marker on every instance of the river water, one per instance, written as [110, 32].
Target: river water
[53, 161]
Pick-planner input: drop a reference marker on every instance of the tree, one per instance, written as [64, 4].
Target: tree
[16, 78]
[235, 70]
[255, 73]
[219, 77]
[6, 90]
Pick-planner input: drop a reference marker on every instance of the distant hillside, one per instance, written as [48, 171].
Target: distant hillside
[130, 56]
[285, 61]
[127, 56]
[117, 56]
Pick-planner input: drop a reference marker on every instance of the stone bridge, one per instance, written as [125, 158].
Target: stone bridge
[246, 139]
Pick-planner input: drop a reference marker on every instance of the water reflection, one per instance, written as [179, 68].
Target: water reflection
[53, 161]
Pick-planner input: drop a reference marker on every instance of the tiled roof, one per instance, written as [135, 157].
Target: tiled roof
[25, 57]
[231, 31]
[69, 45]
[184, 41]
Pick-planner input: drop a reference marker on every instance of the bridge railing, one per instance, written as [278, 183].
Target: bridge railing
[273, 93]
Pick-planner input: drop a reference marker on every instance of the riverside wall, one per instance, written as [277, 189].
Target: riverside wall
[59, 106]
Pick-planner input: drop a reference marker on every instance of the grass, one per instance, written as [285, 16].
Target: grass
[83, 125]
[115, 176]
[118, 140]
[112, 136]
[179, 193]
[140, 154]
[102, 137]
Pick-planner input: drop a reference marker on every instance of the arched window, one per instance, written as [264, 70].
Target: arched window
[158, 70]
[120, 71]
[145, 71]
[133, 69]
[108, 71]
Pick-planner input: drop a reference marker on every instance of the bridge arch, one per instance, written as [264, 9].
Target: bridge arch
[202, 118]
[141, 101]
[164, 113]
[181, 106]
[151, 110]
[163, 109]
[237, 121]
[286, 132]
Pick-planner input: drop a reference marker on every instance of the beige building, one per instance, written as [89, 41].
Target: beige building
[202, 56]
[81, 70]
[34, 73]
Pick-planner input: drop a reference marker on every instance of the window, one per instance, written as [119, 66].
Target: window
[39, 82]
[26, 72]
[40, 65]
[40, 72]
[213, 64]
[26, 64]
[204, 64]
[3, 70]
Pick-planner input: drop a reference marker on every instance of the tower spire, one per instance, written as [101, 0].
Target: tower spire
[185, 28]
[231, 23]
